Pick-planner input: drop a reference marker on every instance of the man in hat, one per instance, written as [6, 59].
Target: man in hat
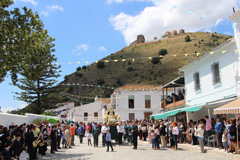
[95, 132]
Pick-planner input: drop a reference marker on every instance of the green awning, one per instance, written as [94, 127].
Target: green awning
[171, 113]
[192, 109]
[158, 116]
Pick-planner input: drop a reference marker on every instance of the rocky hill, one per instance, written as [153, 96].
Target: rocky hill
[119, 68]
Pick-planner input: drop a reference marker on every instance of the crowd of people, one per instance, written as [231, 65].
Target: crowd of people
[175, 97]
[34, 138]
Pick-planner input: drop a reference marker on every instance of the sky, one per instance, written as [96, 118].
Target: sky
[86, 31]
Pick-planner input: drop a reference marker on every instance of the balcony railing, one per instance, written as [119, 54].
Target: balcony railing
[174, 104]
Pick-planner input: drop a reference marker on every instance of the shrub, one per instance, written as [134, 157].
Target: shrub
[118, 81]
[79, 74]
[136, 74]
[155, 60]
[100, 64]
[84, 67]
[65, 78]
[187, 38]
[130, 69]
[79, 68]
[129, 63]
[100, 82]
[162, 52]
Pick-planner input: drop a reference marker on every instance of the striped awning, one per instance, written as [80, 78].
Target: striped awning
[229, 108]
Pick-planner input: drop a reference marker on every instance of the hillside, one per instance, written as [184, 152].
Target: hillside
[142, 70]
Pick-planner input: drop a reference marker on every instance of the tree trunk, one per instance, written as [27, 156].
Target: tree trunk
[38, 98]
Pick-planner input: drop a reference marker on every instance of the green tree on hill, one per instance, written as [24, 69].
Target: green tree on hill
[187, 38]
[155, 60]
[100, 64]
[162, 52]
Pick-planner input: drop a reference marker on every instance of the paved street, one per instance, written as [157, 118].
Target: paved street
[144, 152]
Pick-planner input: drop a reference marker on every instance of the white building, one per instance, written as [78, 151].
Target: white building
[89, 112]
[137, 101]
[213, 80]
[62, 109]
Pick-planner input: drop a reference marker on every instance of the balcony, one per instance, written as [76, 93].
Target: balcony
[174, 104]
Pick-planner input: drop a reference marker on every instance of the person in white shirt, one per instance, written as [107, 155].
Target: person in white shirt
[121, 131]
[175, 133]
[104, 133]
[200, 132]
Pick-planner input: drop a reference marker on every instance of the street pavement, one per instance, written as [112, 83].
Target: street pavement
[125, 152]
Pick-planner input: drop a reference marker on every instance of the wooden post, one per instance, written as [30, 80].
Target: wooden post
[237, 137]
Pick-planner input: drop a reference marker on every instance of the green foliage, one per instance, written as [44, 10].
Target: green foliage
[100, 65]
[79, 68]
[49, 113]
[100, 82]
[66, 78]
[79, 75]
[84, 67]
[155, 60]
[187, 38]
[130, 69]
[162, 52]
[136, 74]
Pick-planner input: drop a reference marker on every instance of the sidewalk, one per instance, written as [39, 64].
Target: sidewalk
[210, 150]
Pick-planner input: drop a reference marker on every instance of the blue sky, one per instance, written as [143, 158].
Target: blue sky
[90, 30]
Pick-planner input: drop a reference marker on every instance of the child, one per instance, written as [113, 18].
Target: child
[64, 141]
[152, 135]
[89, 137]
[224, 140]
[17, 147]
[108, 140]
[170, 137]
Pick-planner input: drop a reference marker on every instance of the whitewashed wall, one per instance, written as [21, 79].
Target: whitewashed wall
[210, 92]
[139, 103]
[6, 119]
[77, 113]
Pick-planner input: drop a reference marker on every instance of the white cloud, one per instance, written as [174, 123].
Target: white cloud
[156, 20]
[102, 49]
[80, 49]
[114, 1]
[4, 110]
[28, 1]
[120, 1]
[21, 106]
[52, 8]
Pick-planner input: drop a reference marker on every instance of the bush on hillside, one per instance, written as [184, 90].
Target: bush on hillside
[100, 82]
[155, 60]
[79, 68]
[187, 38]
[100, 65]
[79, 74]
[162, 52]
[130, 69]
[84, 67]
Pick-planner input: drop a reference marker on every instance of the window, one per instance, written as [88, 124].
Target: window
[85, 114]
[147, 101]
[216, 73]
[131, 101]
[196, 81]
[95, 114]
[131, 116]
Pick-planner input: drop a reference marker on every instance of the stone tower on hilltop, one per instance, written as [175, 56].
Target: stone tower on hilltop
[140, 39]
